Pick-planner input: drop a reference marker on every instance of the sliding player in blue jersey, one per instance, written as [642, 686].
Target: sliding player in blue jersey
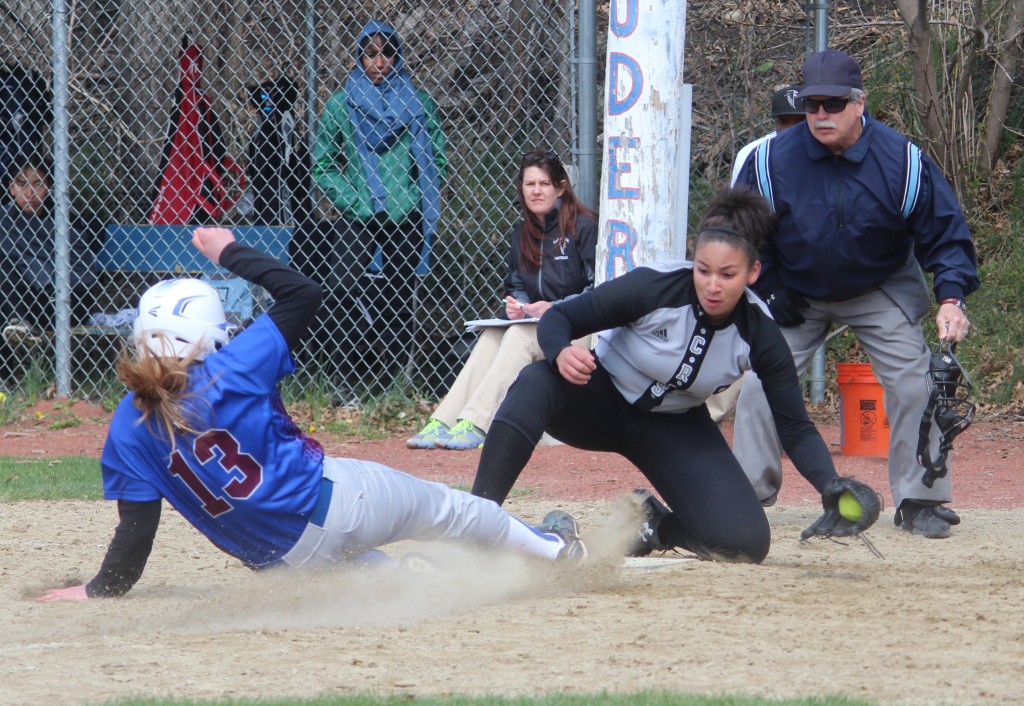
[203, 427]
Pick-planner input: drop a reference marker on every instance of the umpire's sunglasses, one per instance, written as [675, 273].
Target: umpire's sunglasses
[831, 105]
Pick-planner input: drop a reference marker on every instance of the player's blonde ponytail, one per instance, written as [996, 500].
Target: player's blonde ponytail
[160, 384]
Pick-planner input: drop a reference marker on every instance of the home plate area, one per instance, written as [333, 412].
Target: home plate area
[661, 561]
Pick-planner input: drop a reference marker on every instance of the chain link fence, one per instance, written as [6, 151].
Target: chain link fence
[502, 74]
[234, 92]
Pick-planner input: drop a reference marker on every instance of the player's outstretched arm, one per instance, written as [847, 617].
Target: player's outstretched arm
[71, 593]
[126, 555]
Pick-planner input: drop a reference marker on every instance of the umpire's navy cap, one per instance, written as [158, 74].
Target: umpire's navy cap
[831, 73]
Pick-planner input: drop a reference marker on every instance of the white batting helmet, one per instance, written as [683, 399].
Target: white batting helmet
[181, 314]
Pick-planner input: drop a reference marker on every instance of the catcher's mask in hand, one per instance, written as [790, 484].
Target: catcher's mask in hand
[949, 406]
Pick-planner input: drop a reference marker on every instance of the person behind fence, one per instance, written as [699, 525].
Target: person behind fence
[204, 427]
[25, 111]
[380, 158]
[551, 259]
[28, 267]
[672, 334]
[787, 112]
[861, 212]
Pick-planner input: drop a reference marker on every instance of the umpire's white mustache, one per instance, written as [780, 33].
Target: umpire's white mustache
[824, 123]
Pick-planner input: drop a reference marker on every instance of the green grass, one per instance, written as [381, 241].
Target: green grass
[60, 478]
[645, 698]
[38, 378]
[992, 352]
[76, 478]
[381, 414]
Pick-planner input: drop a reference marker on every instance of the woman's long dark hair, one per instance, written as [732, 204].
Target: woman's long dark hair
[570, 207]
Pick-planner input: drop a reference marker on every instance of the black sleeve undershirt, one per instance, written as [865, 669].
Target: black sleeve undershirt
[801, 440]
[128, 551]
[296, 297]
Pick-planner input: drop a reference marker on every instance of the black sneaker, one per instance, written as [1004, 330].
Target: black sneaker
[646, 539]
[564, 525]
[948, 514]
[926, 519]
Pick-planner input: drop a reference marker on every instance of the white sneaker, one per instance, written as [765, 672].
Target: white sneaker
[563, 525]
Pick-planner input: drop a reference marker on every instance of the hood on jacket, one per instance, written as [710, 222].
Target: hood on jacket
[377, 27]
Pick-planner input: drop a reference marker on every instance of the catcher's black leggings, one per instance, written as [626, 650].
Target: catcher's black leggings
[715, 511]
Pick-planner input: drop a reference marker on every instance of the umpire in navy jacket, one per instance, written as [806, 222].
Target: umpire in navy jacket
[861, 212]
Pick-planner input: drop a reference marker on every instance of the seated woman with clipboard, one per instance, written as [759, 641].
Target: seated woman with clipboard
[551, 259]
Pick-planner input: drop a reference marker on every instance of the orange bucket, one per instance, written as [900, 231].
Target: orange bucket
[863, 426]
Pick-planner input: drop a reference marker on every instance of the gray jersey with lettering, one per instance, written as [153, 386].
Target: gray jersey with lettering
[672, 352]
[662, 353]
[663, 356]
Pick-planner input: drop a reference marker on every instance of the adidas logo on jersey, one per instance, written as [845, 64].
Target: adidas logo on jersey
[661, 334]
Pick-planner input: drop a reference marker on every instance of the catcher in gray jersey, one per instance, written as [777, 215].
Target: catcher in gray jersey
[672, 334]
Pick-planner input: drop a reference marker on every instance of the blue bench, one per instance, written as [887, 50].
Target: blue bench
[167, 251]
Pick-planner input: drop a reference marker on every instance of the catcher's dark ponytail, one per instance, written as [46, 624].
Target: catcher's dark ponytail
[739, 217]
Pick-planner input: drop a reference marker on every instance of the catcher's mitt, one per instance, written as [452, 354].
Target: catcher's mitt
[841, 520]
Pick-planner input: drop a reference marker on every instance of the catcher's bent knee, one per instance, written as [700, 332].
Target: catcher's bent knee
[534, 393]
[738, 547]
[730, 556]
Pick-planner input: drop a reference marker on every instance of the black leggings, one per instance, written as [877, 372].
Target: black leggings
[371, 309]
[715, 511]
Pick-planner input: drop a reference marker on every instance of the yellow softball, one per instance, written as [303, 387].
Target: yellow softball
[3, 396]
[849, 507]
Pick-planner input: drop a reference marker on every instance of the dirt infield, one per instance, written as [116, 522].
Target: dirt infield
[935, 622]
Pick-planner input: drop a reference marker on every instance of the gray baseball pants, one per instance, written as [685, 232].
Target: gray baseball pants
[372, 505]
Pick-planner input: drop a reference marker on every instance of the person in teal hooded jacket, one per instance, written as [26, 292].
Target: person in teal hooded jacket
[380, 158]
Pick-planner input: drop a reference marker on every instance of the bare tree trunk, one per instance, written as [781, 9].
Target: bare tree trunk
[753, 109]
[914, 14]
[1002, 86]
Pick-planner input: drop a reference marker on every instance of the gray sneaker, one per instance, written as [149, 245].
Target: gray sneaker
[563, 525]
[435, 430]
[344, 397]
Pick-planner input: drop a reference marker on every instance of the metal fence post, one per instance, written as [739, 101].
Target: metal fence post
[587, 150]
[817, 377]
[61, 198]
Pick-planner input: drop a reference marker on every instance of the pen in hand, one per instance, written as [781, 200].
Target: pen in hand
[507, 302]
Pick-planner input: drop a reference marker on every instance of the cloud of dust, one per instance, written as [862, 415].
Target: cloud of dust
[443, 580]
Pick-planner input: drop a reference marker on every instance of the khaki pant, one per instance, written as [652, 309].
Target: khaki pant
[721, 404]
[498, 356]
